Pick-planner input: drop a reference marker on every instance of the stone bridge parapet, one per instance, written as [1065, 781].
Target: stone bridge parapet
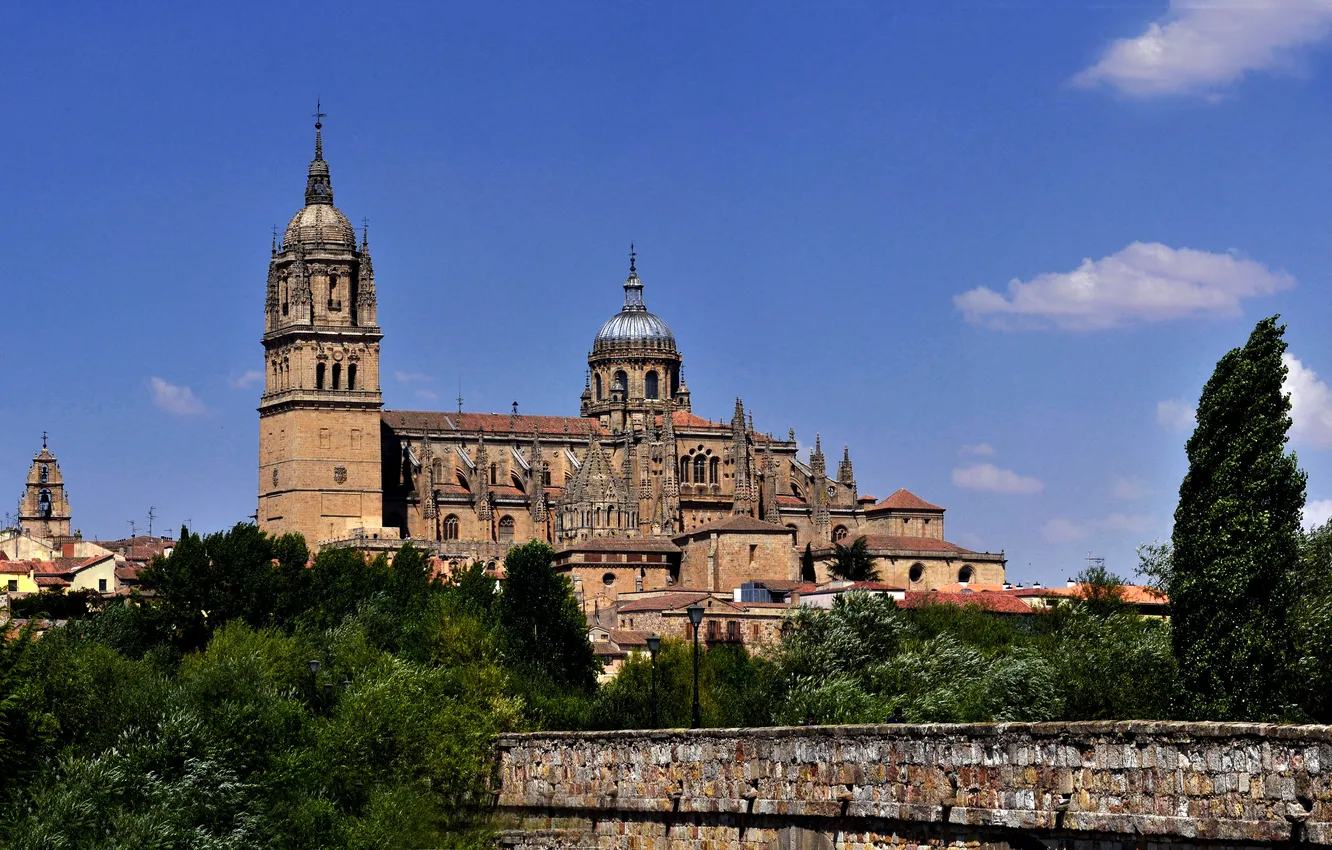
[1087, 786]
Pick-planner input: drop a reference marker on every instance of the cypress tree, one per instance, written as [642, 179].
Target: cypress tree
[1236, 538]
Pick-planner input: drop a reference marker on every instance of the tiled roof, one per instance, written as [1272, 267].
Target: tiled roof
[608, 649]
[18, 568]
[838, 587]
[628, 637]
[1135, 594]
[904, 500]
[780, 585]
[502, 423]
[51, 581]
[128, 574]
[791, 500]
[738, 525]
[900, 543]
[665, 602]
[620, 544]
[999, 603]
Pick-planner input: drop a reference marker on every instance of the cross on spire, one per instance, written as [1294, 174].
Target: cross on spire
[365, 232]
[319, 116]
[43, 441]
[633, 257]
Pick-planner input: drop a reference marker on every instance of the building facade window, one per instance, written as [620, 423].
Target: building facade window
[650, 389]
[45, 473]
[506, 529]
[597, 380]
[621, 381]
[351, 376]
[13, 585]
[494, 473]
[450, 527]
[101, 585]
[608, 579]
[700, 469]
[839, 534]
[917, 572]
[684, 470]
[732, 630]
[319, 376]
[965, 574]
[714, 471]
[337, 376]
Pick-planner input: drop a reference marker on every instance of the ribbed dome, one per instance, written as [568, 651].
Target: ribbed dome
[634, 325]
[320, 225]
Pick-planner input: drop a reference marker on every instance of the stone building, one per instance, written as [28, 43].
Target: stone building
[43, 510]
[635, 464]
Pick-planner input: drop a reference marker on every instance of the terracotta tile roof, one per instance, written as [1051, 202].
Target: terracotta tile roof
[998, 603]
[838, 587]
[620, 544]
[970, 587]
[904, 500]
[500, 423]
[452, 490]
[736, 525]
[1135, 594]
[665, 602]
[608, 649]
[51, 581]
[127, 574]
[899, 543]
[18, 568]
[685, 419]
[628, 637]
[507, 491]
[791, 500]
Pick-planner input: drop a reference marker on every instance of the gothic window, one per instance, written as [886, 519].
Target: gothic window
[700, 469]
[450, 527]
[839, 534]
[965, 574]
[319, 376]
[284, 298]
[597, 379]
[650, 385]
[494, 473]
[437, 468]
[714, 471]
[351, 376]
[506, 529]
[684, 470]
[546, 477]
[917, 572]
[337, 376]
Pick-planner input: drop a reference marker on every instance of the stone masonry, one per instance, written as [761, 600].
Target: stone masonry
[1085, 786]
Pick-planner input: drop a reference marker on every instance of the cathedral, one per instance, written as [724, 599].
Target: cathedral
[634, 471]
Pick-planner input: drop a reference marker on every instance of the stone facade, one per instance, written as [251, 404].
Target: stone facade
[726, 554]
[43, 510]
[636, 462]
[1085, 786]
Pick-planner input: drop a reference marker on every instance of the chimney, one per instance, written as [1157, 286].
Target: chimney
[1007, 586]
[1068, 582]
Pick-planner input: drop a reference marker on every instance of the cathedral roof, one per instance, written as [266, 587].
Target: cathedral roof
[904, 500]
[319, 224]
[634, 325]
[436, 420]
[736, 525]
[901, 543]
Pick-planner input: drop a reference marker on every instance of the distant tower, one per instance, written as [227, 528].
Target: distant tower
[319, 424]
[44, 509]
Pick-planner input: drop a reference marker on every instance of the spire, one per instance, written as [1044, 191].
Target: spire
[365, 234]
[633, 287]
[845, 474]
[318, 188]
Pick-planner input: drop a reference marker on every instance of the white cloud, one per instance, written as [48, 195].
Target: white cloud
[249, 379]
[1063, 531]
[1145, 282]
[427, 395]
[412, 377]
[1202, 46]
[1060, 530]
[977, 449]
[1310, 404]
[1129, 487]
[991, 479]
[1316, 512]
[174, 399]
[1176, 415]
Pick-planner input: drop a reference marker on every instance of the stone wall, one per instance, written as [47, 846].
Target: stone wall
[1084, 786]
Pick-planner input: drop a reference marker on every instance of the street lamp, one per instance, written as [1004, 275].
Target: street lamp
[314, 687]
[653, 645]
[695, 612]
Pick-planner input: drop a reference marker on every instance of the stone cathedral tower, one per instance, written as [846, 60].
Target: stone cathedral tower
[319, 419]
[44, 509]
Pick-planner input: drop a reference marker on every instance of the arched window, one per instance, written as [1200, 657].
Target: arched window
[684, 470]
[284, 298]
[839, 534]
[44, 502]
[700, 469]
[597, 380]
[506, 529]
[45, 474]
[917, 572]
[714, 470]
[965, 574]
[337, 376]
[319, 376]
[451, 527]
[494, 473]
[333, 302]
[437, 468]
[621, 381]
[650, 385]
[351, 376]
[545, 475]
[795, 490]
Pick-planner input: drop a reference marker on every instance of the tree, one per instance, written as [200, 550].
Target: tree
[544, 628]
[1236, 538]
[853, 562]
[1101, 592]
[807, 566]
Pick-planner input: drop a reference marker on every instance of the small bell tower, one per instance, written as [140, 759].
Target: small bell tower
[44, 509]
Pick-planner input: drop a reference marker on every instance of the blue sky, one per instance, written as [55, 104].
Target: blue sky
[996, 248]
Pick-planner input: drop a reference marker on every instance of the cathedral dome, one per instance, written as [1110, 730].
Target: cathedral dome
[320, 225]
[634, 325]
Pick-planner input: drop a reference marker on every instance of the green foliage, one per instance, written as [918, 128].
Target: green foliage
[56, 604]
[1101, 591]
[542, 622]
[1236, 539]
[853, 562]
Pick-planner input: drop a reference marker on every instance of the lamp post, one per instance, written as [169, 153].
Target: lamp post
[695, 612]
[653, 645]
[314, 687]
